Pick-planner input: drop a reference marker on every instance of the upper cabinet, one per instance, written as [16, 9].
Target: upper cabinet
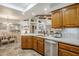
[67, 17]
[78, 14]
[70, 16]
[57, 19]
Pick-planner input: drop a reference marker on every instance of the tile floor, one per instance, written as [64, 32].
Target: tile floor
[14, 49]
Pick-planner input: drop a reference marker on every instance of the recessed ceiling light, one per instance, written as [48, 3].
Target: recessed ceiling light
[33, 14]
[22, 13]
[45, 9]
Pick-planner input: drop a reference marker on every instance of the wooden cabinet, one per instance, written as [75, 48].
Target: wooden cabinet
[67, 17]
[26, 41]
[63, 52]
[78, 15]
[68, 50]
[57, 19]
[40, 45]
[70, 16]
[35, 43]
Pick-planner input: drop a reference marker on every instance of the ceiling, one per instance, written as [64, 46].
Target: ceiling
[44, 8]
[39, 9]
[19, 6]
[28, 10]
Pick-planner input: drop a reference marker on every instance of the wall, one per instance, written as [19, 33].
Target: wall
[8, 16]
[71, 33]
[6, 12]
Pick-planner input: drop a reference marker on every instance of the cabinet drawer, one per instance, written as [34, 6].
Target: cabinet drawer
[69, 47]
[63, 52]
[41, 39]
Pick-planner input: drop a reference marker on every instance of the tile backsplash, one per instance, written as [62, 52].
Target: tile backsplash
[70, 33]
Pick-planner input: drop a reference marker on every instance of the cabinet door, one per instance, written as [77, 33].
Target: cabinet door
[29, 42]
[34, 43]
[69, 47]
[68, 50]
[40, 46]
[63, 52]
[77, 15]
[23, 40]
[26, 42]
[57, 19]
[70, 16]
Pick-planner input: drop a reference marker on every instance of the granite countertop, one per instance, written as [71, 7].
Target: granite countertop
[64, 40]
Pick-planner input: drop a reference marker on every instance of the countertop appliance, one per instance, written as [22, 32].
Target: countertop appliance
[57, 35]
[51, 48]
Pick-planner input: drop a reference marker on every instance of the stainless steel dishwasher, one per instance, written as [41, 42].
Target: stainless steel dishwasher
[51, 48]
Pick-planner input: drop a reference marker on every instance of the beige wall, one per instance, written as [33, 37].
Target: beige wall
[10, 13]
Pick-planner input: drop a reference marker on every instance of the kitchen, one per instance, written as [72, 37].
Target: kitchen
[39, 29]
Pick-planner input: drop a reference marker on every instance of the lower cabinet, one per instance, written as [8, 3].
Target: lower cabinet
[68, 50]
[26, 42]
[32, 42]
[40, 46]
[63, 52]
